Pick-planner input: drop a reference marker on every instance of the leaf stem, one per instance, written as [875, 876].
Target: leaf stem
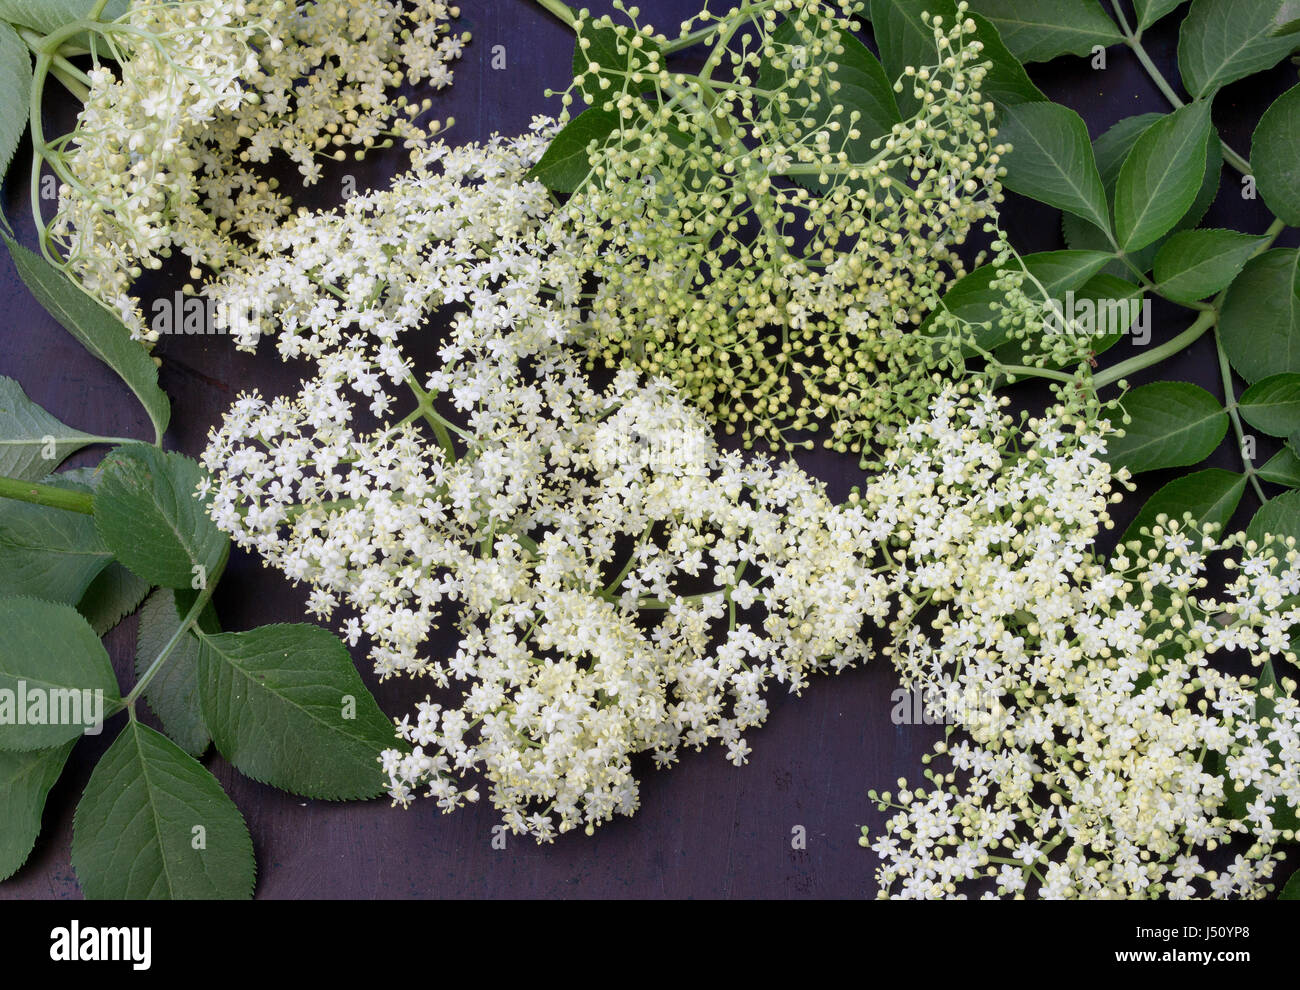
[200, 603]
[1134, 41]
[1203, 322]
[1230, 403]
[48, 495]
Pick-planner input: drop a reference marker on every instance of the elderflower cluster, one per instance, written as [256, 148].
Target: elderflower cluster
[1101, 752]
[187, 98]
[770, 233]
[616, 583]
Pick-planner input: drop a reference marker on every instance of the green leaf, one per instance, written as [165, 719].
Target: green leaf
[1275, 156]
[173, 694]
[1259, 323]
[1287, 20]
[1283, 468]
[286, 706]
[1111, 149]
[149, 516]
[1150, 11]
[1039, 30]
[15, 84]
[905, 40]
[28, 433]
[154, 824]
[972, 297]
[1272, 405]
[859, 82]
[1291, 892]
[1279, 517]
[1194, 264]
[566, 164]
[602, 50]
[49, 15]
[112, 596]
[1162, 175]
[1221, 41]
[51, 659]
[48, 553]
[1211, 496]
[1051, 160]
[1173, 424]
[25, 782]
[98, 330]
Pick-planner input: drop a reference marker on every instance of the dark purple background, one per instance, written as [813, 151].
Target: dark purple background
[705, 828]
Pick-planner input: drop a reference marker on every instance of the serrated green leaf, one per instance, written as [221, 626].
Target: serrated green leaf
[112, 596]
[1161, 176]
[1111, 149]
[15, 84]
[1275, 156]
[154, 824]
[1259, 322]
[51, 659]
[101, 333]
[25, 782]
[148, 515]
[1272, 405]
[1040, 30]
[173, 694]
[1279, 516]
[1194, 264]
[286, 706]
[1291, 892]
[566, 164]
[904, 40]
[1211, 496]
[1283, 468]
[1051, 160]
[49, 553]
[1221, 41]
[860, 85]
[1173, 424]
[28, 433]
[1150, 11]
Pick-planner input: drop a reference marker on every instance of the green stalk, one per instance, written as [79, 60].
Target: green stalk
[1134, 41]
[1203, 322]
[1230, 403]
[48, 495]
[561, 10]
[188, 623]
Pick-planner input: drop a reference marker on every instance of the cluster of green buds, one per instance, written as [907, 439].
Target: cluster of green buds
[770, 231]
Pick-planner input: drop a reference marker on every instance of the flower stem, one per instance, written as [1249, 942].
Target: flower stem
[49, 495]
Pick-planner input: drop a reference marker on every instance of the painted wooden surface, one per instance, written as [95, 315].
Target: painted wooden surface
[705, 828]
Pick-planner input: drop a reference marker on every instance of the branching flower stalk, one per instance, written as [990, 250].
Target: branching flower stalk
[782, 247]
[185, 100]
